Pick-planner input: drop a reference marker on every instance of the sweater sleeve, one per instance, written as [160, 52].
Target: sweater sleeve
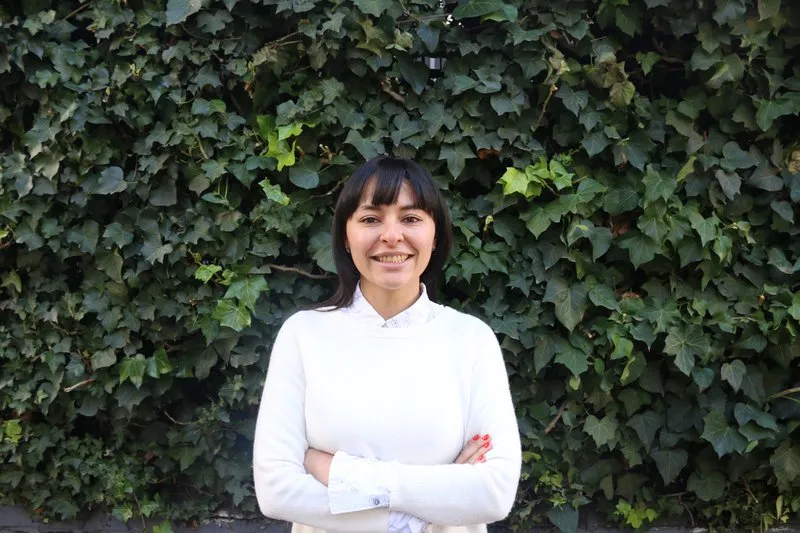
[283, 488]
[465, 494]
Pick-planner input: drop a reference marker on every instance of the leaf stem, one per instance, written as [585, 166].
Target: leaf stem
[78, 385]
[555, 419]
[299, 271]
[78, 10]
[176, 421]
[200, 145]
[784, 393]
[553, 89]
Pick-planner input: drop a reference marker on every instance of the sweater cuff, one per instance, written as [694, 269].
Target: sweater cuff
[357, 484]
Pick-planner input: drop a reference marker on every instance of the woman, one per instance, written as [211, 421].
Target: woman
[383, 411]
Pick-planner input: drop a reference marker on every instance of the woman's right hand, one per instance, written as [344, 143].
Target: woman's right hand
[474, 450]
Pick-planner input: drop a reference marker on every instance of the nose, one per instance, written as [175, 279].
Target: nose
[392, 232]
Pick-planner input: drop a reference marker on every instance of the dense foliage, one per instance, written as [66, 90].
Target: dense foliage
[624, 177]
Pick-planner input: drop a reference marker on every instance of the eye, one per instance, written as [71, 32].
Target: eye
[369, 220]
[412, 219]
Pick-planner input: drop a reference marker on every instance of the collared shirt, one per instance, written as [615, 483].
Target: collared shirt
[420, 312]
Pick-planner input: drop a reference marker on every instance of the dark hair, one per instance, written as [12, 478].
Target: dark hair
[388, 175]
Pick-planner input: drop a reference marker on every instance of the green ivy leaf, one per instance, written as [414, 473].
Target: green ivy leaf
[731, 69]
[564, 517]
[622, 94]
[477, 8]
[179, 10]
[574, 101]
[620, 199]
[111, 181]
[658, 185]
[373, 7]
[569, 300]
[733, 373]
[368, 148]
[163, 365]
[456, 157]
[786, 463]
[745, 413]
[647, 61]
[274, 193]
[736, 157]
[574, 359]
[670, 463]
[703, 377]
[104, 359]
[641, 248]
[722, 437]
[768, 111]
[685, 342]
[132, 368]
[602, 431]
[154, 251]
[646, 425]
[546, 347]
[603, 296]
[594, 143]
[236, 317]
[304, 175]
[768, 8]
[321, 248]
[707, 487]
[206, 272]
[783, 209]
[247, 290]
[730, 183]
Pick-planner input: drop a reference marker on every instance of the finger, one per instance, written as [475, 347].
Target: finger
[469, 448]
[472, 447]
[478, 456]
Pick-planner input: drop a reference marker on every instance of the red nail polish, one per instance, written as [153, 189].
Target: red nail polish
[476, 437]
[486, 445]
[486, 437]
[481, 459]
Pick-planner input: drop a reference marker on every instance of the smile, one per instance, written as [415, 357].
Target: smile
[395, 259]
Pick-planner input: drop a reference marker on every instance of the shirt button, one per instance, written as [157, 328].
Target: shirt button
[376, 501]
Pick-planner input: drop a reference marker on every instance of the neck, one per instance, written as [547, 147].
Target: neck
[391, 303]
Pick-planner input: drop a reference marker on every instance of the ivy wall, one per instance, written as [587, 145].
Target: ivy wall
[624, 177]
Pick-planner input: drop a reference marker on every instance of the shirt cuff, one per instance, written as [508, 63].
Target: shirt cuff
[357, 484]
[405, 523]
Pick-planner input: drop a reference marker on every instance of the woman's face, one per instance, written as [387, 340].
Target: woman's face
[390, 245]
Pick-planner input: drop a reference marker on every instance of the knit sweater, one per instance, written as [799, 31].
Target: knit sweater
[407, 400]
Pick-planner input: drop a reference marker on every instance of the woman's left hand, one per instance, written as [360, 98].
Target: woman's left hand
[318, 464]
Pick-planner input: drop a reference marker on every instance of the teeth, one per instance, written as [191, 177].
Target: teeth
[392, 258]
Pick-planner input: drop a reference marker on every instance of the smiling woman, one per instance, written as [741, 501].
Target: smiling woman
[382, 410]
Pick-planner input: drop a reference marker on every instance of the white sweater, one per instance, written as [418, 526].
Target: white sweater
[407, 398]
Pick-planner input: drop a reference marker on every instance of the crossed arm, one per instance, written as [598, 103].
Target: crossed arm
[464, 493]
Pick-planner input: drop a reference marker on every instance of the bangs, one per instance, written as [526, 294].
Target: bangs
[383, 187]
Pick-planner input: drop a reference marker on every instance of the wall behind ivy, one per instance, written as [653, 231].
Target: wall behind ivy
[624, 177]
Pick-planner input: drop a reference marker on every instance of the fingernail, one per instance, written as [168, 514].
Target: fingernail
[481, 459]
[486, 445]
[476, 437]
[486, 437]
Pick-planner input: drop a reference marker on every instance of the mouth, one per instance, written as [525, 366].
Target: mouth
[395, 259]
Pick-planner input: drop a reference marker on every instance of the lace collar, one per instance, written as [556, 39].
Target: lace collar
[419, 313]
